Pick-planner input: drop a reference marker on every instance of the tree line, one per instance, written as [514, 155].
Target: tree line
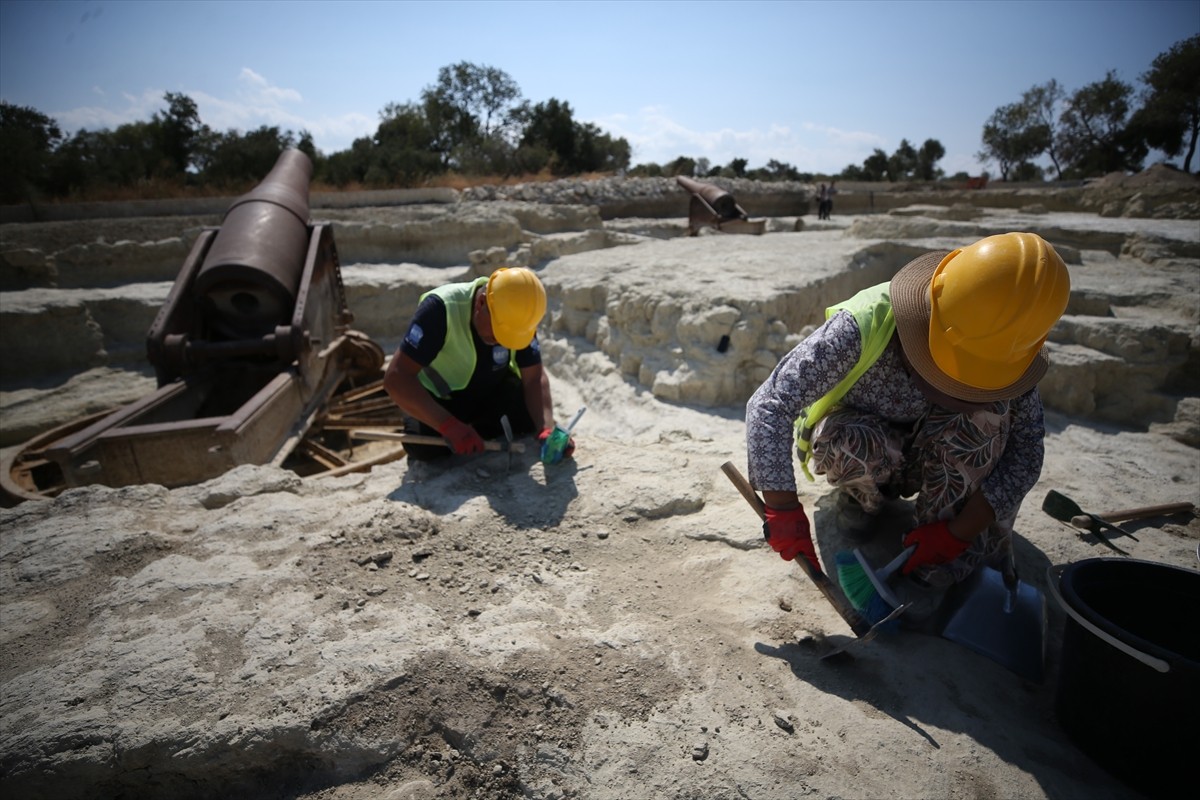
[473, 121]
[1097, 129]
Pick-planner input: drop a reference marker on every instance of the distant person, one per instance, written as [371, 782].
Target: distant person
[471, 356]
[925, 386]
[822, 201]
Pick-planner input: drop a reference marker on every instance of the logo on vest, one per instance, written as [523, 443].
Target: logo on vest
[499, 356]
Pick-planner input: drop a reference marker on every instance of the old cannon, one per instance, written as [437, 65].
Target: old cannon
[251, 348]
[712, 206]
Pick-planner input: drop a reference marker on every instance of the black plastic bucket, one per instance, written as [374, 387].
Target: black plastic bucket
[1129, 682]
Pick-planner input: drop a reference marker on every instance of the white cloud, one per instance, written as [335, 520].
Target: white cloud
[655, 136]
[137, 108]
[256, 89]
[255, 102]
[258, 102]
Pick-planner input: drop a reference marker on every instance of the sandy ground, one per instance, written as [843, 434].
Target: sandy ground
[611, 627]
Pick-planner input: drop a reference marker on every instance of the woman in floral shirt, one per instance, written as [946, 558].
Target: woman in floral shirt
[944, 406]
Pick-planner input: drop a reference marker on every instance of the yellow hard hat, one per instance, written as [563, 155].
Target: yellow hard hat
[992, 305]
[517, 302]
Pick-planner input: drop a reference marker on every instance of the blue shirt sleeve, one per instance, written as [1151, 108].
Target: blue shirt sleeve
[427, 332]
[531, 355]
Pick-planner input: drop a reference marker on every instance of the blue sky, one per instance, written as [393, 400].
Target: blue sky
[819, 85]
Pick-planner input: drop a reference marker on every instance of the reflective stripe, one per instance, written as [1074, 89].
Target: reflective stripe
[433, 379]
[872, 311]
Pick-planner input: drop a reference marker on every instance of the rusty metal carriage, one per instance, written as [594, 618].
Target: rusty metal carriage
[251, 351]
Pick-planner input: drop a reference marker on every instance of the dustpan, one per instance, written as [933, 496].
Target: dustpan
[1001, 621]
[985, 613]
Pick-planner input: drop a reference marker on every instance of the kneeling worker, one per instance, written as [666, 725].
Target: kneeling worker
[923, 386]
[471, 356]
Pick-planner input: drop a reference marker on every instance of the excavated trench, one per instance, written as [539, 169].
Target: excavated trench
[652, 308]
[80, 296]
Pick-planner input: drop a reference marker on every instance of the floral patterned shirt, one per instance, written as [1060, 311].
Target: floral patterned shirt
[819, 362]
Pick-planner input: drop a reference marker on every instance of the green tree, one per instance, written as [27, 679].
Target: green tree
[930, 153]
[179, 129]
[1169, 118]
[648, 170]
[77, 163]
[1094, 137]
[127, 156]
[28, 139]
[1028, 172]
[853, 172]
[1041, 107]
[902, 164]
[875, 166]
[404, 149]
[775, 171]
[681, 165]
[451, 127]
[597, 151]
[549, 130]
[1013, 136]
[781, 171]
[243, 159]
[551, 137]
[482, 93]
[350, 166]
[471, 110]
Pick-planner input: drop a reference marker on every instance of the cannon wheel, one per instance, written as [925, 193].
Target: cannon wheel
[26, 473]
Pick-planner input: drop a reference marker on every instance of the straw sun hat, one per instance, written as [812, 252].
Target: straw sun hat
[997, 301]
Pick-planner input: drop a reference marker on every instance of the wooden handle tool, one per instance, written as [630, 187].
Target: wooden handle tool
[857, 623]
[1145, 512]
[414, 438]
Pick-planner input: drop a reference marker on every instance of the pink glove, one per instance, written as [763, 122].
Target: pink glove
[789, 535]
[462, 437]
[935, 545]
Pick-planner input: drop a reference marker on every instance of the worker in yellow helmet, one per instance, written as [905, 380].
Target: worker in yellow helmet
[471, 356]
[925, 386]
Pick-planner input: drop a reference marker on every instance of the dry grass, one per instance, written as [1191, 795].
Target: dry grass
[150, 190]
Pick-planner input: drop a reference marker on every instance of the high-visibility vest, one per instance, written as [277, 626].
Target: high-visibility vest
[452, 368]
[872, 310]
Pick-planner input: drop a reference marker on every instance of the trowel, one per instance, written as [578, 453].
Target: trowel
[508, 436]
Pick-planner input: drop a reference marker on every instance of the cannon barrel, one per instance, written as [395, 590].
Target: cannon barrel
[719, 201]
[250, 277]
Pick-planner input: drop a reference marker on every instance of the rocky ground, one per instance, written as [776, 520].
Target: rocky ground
[612, 627]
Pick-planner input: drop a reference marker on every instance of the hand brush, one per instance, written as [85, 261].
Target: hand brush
[865, 587]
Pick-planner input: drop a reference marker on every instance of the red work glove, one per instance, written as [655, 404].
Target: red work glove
[462, 437]
[567, 451]
[789, 535]
[935, 545]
